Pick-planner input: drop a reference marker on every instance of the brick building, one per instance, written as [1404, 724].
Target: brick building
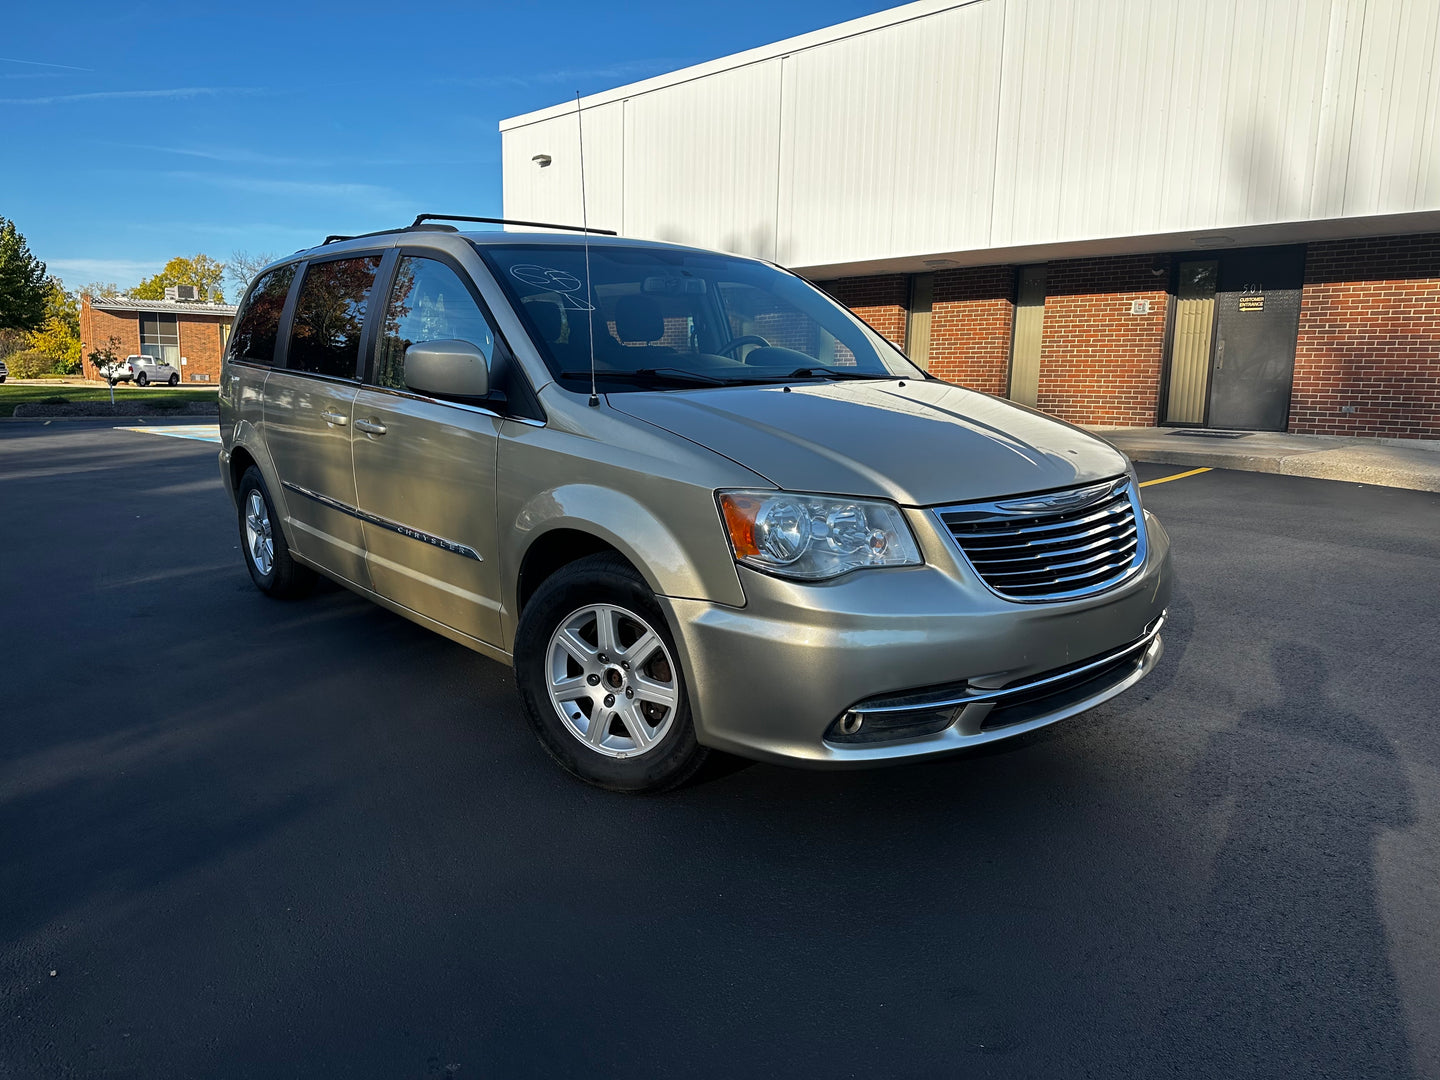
[188, 336]
[1201, 213]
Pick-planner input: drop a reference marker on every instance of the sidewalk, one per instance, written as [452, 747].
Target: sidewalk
[1402, 463]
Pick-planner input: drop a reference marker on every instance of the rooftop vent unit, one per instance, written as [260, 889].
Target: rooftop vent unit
[184, 292]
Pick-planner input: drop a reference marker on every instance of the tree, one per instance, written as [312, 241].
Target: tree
[96, 289]
[201, 271]
[59, 337]
[243, 268]
[105, 361]
[23, 288]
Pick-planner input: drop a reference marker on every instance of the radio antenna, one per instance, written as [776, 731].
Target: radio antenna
[585, 222]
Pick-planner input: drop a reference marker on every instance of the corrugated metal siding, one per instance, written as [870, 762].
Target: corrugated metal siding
[702, 161]
[1001, 123]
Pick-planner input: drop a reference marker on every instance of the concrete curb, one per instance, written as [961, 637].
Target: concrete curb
[1381, 463]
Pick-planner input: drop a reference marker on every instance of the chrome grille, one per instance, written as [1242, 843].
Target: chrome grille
[1055, 546]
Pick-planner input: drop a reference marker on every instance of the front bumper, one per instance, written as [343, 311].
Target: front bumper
[769, 680]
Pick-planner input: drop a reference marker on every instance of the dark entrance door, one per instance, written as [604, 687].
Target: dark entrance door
[1257, 315]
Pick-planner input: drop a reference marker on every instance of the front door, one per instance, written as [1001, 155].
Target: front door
[1232, 353]
[425, 469]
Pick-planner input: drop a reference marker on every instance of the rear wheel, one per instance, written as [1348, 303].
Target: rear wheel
[142, 379]
[174, 380]
[267, 556]
[598, 676]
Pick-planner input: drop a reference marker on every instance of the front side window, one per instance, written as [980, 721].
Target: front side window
[670, 317]
[428, 302]
[329, 316]
[258, 326]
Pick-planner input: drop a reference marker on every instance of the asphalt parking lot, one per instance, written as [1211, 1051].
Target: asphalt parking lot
[246, 838]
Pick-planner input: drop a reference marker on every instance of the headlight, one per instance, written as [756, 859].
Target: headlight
[813, 537]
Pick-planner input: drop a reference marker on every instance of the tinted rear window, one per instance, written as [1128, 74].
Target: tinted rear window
[329, 315]
[259, 324]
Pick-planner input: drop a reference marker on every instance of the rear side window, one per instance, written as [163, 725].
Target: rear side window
[329, 315]
[429, 302]
[255, 332]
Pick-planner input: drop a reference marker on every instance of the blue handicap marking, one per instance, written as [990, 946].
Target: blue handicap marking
[197, 432]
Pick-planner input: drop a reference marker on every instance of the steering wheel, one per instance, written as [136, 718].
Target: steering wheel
[748, 339]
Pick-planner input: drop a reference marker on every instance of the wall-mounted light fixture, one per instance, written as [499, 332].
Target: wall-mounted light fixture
[543, 160]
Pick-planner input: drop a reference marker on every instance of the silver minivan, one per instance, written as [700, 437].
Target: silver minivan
[695, 502]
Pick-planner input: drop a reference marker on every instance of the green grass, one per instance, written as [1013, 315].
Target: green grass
[54, 393]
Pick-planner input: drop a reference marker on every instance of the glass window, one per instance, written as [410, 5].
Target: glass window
[160, 338]
[665, 318]
[329, 315]
[259, 324]
[429, 302]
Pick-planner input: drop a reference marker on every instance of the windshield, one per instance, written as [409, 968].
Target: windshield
[682, 318]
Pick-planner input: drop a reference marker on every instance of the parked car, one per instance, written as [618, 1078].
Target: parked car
[4, 371]
[147, 369]
[695, 502]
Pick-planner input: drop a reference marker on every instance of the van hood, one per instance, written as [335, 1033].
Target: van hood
[920, 444]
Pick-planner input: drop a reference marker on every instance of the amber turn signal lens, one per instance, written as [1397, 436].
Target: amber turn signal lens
[740, 511]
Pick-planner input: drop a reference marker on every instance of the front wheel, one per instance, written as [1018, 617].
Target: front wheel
[174, 380]
[599, 679]
[142, 379]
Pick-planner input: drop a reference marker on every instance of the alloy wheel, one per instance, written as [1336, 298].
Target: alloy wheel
[612, 680]
[259, 539]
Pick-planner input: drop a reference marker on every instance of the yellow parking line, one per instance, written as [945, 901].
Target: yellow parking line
[1177, 476]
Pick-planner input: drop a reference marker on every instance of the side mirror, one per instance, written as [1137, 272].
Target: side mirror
[446, 368]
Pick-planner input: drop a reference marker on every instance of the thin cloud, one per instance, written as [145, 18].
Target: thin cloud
[626, 70]
[118, 270]
[242, 156]
[108, 95]
[371, 196]
[42, 63]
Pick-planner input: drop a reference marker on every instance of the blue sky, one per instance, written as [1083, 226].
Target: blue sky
[133, 133]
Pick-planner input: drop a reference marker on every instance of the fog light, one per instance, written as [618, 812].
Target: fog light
[850, 723]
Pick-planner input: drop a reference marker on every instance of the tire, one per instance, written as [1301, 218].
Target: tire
[284, 579]
[647, 741]
[174, 380]
[142, 379]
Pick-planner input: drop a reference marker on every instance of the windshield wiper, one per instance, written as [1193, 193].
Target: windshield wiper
[651, 377]
[837, 373]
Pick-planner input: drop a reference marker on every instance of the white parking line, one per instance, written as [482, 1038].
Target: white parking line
[197, 432]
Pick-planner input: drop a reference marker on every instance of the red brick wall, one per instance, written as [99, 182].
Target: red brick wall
[880, 301]
[1100, 364]
[971, 322]
[97, 327]
[199, 340]
[1369, 339]
[200, 345]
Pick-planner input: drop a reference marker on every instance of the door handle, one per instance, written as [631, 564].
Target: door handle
[1220, 355]
[371, 427]
[334, 419]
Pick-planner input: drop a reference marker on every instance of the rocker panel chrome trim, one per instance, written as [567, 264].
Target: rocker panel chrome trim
[385, 523]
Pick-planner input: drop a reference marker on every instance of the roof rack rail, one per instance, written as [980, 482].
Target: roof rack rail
[508, 221]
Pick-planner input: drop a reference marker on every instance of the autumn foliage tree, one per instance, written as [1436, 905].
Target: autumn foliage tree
[200, 270]
[59, 336]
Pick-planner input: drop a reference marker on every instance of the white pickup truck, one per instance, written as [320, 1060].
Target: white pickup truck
[142, 369]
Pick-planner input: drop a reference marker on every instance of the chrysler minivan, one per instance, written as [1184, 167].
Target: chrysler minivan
[695, 502]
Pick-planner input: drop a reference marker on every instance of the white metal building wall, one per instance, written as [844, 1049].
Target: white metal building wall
[941, 128]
